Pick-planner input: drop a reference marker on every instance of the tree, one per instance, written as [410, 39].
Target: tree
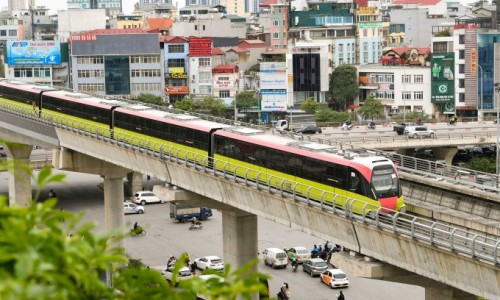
[372, 108]
[246, 100]
[327, 115]
[214, 106]
[482, 164]
[310, 106]
[184, 104]
[343, 86]
[151, 99]
[48, 254]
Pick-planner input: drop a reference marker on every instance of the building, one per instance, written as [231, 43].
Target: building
[122, 21]
[105, 62]
[42, 62]
[79, 20]
[275, 17]
[176, 51]
[369, 35]
[246, 54]
[200, 67]
[11, 28]
[226, 81]
[401, 88]
[112, 7]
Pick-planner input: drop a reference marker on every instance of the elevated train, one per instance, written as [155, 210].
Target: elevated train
[308, 168]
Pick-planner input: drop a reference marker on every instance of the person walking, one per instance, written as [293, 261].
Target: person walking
[341, 296]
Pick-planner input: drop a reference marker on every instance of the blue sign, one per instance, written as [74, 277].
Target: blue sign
[33, 53]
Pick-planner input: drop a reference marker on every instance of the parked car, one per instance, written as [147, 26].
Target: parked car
[209, 262]
[419, 132]
[183, 274]
[300, 253]
[132, 208]
[144, 197]
[314, 266]
[334, 278]
[275, 257]
[311, 129]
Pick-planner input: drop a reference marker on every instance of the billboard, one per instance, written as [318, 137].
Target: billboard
[273, 100]
[443, 77]
[33, 53]
[273, 75]
[200, 46]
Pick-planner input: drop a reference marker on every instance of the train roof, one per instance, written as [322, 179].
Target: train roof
[79, 97]
[171, 117]
[333, 153]
[20, 85]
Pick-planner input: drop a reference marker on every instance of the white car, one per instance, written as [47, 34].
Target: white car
[418, 132]
[132, 208]
[183, 274]
[209, 262]
[144, 197]
[334, 278]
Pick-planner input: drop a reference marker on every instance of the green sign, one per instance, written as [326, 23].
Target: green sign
[363, 25]
[443, 77]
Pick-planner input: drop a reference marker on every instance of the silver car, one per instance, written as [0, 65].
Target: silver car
[314, 266]
[418, 132]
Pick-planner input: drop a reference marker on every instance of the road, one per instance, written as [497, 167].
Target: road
[81, 193]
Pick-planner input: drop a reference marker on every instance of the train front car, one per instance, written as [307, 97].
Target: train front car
[384, 181]
[320, 172]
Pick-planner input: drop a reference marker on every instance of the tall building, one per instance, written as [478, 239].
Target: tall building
[112, 7]
[15, 5]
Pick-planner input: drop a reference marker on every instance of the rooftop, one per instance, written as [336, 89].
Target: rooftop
[421, 2]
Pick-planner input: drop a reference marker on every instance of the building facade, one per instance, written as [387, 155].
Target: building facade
[176, 51]
[106, 63]
[112, 7]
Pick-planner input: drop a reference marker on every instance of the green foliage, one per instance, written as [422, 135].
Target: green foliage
[254, 68]
[151, 99]
[327, 115]
[246, 100]
[184, 104]
[310, 106]
[343, 86]
[211, 105]
[445, 32]
[482, 164]
[411, 116]
[372, 108]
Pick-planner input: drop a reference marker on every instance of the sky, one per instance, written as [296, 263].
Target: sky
[55, 5]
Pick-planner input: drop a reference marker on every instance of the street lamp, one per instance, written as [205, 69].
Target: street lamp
[482, 108]
[497, 91]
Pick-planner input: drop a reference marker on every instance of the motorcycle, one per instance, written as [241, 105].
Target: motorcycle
[371, 126]
[196, 225]
[295, 266]
[346, 126]
[137, 231]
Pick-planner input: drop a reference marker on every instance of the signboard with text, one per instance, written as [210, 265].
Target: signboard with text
[273, 75]
[273, 100]
[443, 77]
[33, 53]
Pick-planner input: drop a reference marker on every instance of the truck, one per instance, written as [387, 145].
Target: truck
[183, 213]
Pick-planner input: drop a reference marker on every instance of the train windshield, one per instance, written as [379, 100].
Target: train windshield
[385, 182]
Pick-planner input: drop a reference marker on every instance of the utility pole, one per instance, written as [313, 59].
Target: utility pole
[32, 10]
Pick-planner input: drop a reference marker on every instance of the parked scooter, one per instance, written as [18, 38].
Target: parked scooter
[196, 225]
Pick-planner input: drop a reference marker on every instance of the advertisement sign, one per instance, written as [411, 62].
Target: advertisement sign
[223, 84]
[178, 75]
[273, 75]
[33, 53]
[177, 90]
[176, 70]
[200, 46]
[443, 77]
[363, 25]
[473, 60]
[274, 101]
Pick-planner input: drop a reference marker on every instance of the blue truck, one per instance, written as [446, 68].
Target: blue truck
[183, 213]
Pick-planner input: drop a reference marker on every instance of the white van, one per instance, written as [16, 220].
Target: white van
[275, 258]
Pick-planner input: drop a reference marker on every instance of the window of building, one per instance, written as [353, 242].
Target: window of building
[461, 97]
[418, 78]
[341, 48]
[418, 95]
[461, 54]
[205, 89]
[41, 72]
[406, 96]
[176, 48]
[175, 63]
[461, 83]
[91, 87]
[195, 27]
[204, 62]
[205, 77]
[12, 32]
[146, 87]
[90, 60]
[90, 73]
[224, 94]
[276, 23]
[461, 68]
[406, 78]
[276, 35]
[146, 59]
[461, 39]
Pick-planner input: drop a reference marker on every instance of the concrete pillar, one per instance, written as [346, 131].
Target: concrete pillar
[445, 153]
[19, 179]
[113, 203]
[239, 231]
[447, 293]
[136, 182]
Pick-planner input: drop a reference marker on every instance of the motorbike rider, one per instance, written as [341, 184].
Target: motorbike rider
[295, 263]
[453, 120]
[171, 261]
[371, 124]
[195, 222]
[419, 121]
[284, 293]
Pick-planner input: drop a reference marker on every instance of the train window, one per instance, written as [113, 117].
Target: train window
[385, 182]
[354, 181]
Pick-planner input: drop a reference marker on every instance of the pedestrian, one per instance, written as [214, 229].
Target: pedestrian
[341, 296]
[193, 268]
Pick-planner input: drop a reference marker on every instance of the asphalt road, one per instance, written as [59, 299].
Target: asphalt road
[81, 193]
